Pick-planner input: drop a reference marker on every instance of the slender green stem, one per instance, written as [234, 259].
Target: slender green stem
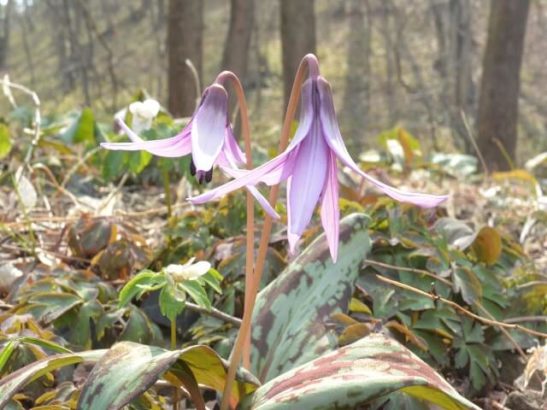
[173, 347]
[167, 189]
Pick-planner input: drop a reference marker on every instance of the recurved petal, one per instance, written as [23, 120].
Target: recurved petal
[416, 198]
[128, 131]
[230, 169]
[246, 178]
[264, 203]
[306, 182]
[336, 143]
[209, 127]
[231, 148]
[330, 211]
[176, 146]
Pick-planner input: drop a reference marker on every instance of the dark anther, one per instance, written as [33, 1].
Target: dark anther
[200, 177]
[192, 168]
[209, 175]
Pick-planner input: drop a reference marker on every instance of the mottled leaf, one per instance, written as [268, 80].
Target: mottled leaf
[14, 382]
[289, 322]
[123, 373]
[355, 375]
[129, 369]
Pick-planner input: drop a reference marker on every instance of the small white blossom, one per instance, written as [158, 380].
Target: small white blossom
[188, 271]
[143, 114]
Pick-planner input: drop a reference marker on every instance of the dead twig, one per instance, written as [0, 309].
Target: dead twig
[520, 319]
[449, 283]
[461, 309]
[406, 269]
[214, 312]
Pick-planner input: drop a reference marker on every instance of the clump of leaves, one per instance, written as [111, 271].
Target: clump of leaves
[448, 258]
[82, 309]
[175, 283]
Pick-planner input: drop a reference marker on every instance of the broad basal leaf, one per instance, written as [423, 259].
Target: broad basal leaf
[129, 369]
[289, 318]
[14, 382]
[355, 375]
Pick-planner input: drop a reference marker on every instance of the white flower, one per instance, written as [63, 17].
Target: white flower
[143, 114]
[188, 271]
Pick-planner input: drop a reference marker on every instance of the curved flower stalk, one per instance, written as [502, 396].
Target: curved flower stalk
[309, 165]
[208, 137]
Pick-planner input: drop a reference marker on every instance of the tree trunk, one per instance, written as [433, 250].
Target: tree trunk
[357, 94]
[5, 17]
[26, 48]
[498, 103]
[297, 37]
[238, 42]
[236, 48]
[184, 41]
[455, 50]
[387, 31]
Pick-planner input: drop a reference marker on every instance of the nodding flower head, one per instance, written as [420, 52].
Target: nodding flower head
[309, 165]
[208, 137]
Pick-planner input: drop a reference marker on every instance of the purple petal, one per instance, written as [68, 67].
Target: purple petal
[278, 168]
[232, 149]
[128, 131]
[330, 211]
[306, 182]
[177, 146]
[247, 178]
[307, 114]
[231, 170]
[336, 143]
[209, 127]
[264, 203]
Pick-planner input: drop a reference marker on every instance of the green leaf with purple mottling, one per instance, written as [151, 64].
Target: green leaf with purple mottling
[355, 375]
[289, 319]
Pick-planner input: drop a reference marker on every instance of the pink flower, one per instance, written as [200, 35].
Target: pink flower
[309, 166]
[208, 137]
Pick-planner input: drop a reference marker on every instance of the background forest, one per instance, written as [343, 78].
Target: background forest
[390, 62]
[116, 292]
